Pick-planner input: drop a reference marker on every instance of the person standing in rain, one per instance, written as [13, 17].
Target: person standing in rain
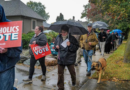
[102, 38]
[108, 33]
[108, 43]
[40, 39]
[117, 39]
[8, 58]
[94, 30]
[79, 51]
[88, 42]
[66, 55]
[113, 43]
[120, 38]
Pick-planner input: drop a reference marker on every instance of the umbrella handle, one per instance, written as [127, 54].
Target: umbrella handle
[69, 33]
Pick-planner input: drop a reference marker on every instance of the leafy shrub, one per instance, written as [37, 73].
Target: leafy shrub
[25, 40]
[49, 39]
[27, 37]
[53, 34]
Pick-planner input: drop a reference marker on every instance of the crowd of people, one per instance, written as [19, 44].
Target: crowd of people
[68, 56]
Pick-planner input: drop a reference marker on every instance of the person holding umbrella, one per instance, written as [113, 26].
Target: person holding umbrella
[88, 42]
[66, 55]
[102, 38]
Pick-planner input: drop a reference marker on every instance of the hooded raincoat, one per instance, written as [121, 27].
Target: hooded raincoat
[12, 56]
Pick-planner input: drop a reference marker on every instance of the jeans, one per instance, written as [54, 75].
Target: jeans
[32, 64]
[7, 79]
[120, 41]
[88, 58]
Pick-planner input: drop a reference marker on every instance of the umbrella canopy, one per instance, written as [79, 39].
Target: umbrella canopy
[118, 31]
[74, 27]
[104, 28]
[99, 24]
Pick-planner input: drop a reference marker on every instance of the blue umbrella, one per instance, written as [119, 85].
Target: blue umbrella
[118, 31]
[110, 32]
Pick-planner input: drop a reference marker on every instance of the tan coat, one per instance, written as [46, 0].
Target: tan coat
[91, 38]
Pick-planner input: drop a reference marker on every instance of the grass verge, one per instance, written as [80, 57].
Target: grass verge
[116, 68]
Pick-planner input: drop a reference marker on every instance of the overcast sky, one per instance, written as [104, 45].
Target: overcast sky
[68, 8]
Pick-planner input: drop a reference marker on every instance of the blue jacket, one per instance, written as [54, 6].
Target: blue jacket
[12, 56]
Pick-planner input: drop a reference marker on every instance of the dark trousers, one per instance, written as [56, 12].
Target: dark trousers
[32, 66]
[99, 47]
[108, 46]
[112, 47]
[61, 68]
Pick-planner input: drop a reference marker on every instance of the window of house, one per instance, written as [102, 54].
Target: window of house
[33, 24]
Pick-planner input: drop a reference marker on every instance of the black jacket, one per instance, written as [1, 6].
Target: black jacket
[113, 38]
[66, 56]
[108, 35]
[116, 36]
[109, 39]
[101, 35]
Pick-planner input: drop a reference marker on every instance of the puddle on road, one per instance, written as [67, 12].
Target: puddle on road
[20, 75]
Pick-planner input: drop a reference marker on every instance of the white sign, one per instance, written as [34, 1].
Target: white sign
[64, 44]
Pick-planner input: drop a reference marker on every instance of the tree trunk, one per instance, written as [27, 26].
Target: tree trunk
[127, 51]
[127, 33]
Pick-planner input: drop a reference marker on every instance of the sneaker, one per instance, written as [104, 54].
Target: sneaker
[73, 84]
[43, 78]
[76, 64]
[89, 74]
[27, 80]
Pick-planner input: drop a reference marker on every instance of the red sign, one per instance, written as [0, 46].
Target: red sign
[10, 34]
[40, 51]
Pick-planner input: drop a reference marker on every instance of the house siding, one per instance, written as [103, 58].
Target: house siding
[39, 23]
[27, 22]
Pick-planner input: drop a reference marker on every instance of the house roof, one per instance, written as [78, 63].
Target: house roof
[46, 25]
[18, 8]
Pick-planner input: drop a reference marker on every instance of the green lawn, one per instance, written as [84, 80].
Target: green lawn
[116, 69]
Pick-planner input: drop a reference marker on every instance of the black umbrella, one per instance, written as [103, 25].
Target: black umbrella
[99, 24]
[74, 27]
